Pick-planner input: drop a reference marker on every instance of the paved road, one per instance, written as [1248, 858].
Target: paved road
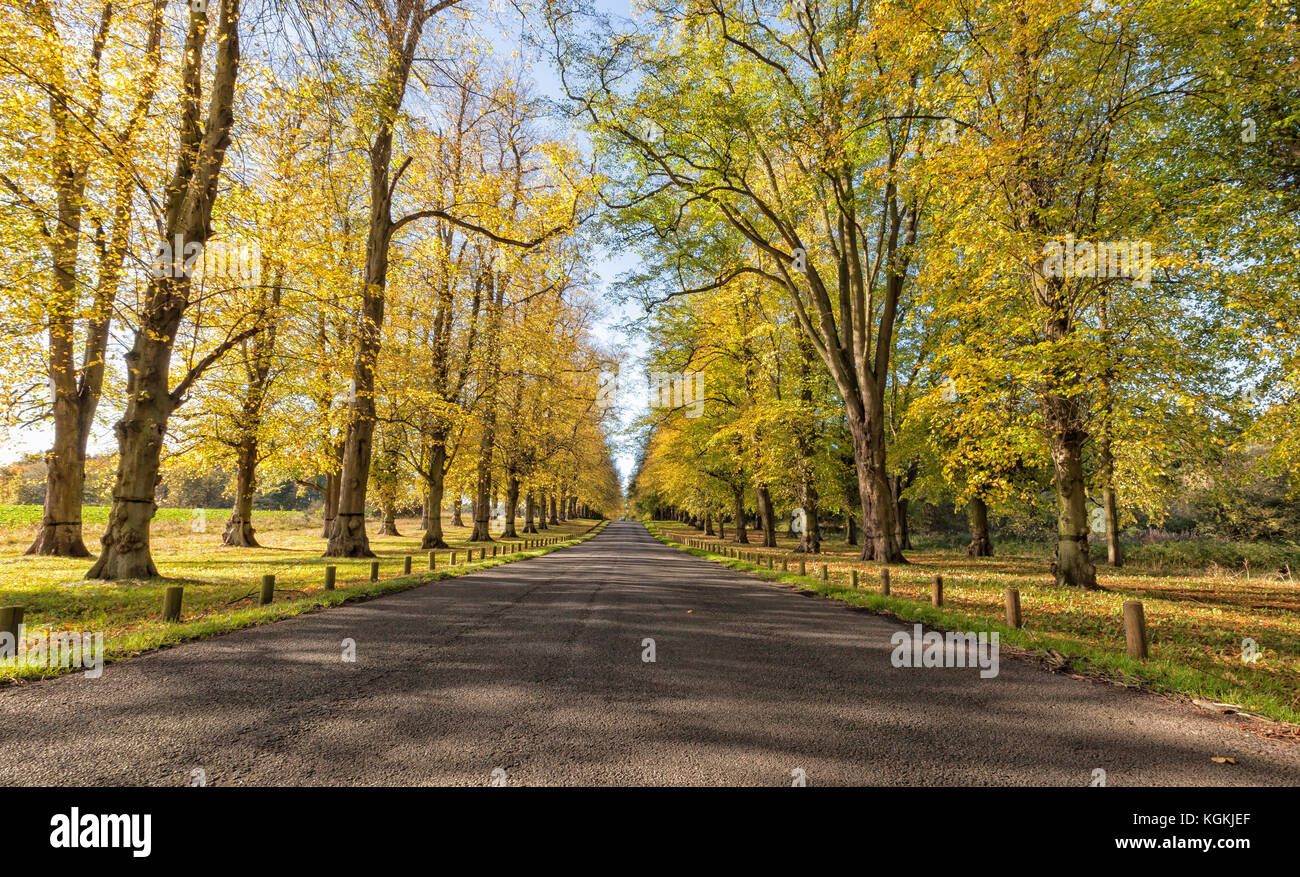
[536, 668]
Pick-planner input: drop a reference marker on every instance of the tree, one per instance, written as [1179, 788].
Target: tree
[89, 167]
[185, 224]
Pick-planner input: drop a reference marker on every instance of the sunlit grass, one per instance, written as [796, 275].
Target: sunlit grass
[221, 583]
[1196, 622]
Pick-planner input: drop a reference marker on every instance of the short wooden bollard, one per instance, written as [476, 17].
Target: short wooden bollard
[433, 562]
[1012, 597]
[374, 570]
[406, 565]
[826, 574]
[884, 583]
[853, 579]
[453, 558]
[482, 553]
[1135, 629]
[494, 551]
[936, 591]
[785, 564]
[770, 562]
[803, 567]
[268, 589]
[172, 603]
[11, 618]
[331, 573]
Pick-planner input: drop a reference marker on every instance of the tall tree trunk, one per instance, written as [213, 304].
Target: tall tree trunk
[331, 508]
[766, 515]
[1073, 566]
[65, 479]
[257, 365]
[810, 540]
[492, 375]
[879, 540]
[434, 481]
[512, 502]
[541, 511]
[458, 510]
[738, 493]
[1110, 503]
[1063, 414]
[239, 528]
[980, 543]
[388, 525]
[76, 393]
[554, 517]
[530, 510]
[901, 530]
[150, 399]
[898, 484]
[348, 535]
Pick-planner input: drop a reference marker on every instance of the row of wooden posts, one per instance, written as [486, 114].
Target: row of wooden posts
[11, 617]
[1135, 625]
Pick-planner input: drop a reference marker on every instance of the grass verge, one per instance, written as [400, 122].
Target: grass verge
[220, 590]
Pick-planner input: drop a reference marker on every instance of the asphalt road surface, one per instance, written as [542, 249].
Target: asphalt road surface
[532, 673]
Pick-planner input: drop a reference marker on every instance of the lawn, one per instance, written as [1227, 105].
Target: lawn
[221, 584]
[1196, 621]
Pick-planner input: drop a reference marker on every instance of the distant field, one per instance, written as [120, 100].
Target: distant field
[1197, 621]
[220, 583]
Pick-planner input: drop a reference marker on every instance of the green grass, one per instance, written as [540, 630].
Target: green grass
[1196, 622]
[221, 583]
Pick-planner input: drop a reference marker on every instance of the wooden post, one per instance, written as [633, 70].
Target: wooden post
[785, 564]
[172, 603]
[936, 591]
[374, 570]
[853, 578]
[770, 562]
[268, 589]
[803, 567]
[453, 558]
[1012, 596]
[884, 583]
[826, 575]
[331, 572]
[11, 618]
[406, 565]
[433, 562]
[1135, 629]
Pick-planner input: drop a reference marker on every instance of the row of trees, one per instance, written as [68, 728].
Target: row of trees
[362, 269]
[979, 250]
